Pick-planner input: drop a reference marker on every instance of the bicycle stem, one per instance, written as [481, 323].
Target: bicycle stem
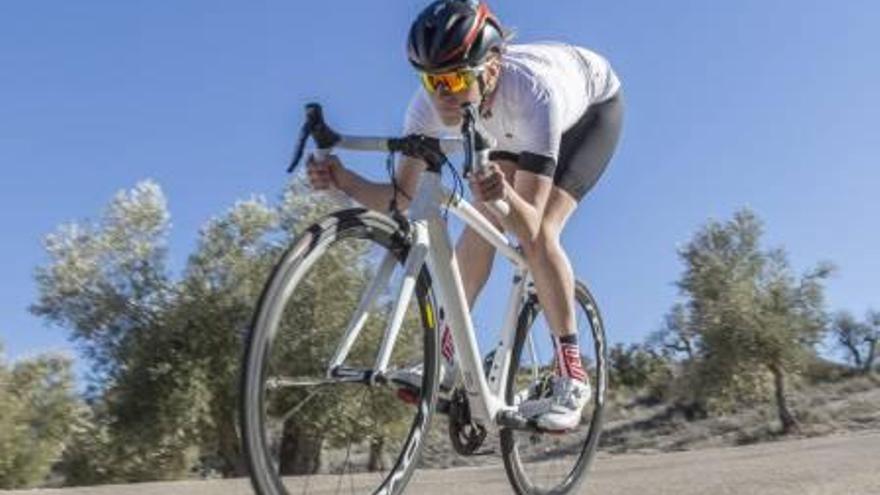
[476, 152]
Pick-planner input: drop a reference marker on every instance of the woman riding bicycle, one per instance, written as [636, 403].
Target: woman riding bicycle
[555, 112]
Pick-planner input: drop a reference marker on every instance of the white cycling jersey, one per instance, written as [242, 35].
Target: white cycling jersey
[543, 90]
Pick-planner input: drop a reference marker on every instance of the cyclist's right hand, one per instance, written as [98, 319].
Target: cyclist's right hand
[324, 173]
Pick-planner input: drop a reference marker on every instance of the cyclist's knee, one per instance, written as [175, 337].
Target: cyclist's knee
[546, 241]
[551, 230]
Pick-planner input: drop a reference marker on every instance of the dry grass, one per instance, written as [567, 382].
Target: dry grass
[635, 424]
[847, 404]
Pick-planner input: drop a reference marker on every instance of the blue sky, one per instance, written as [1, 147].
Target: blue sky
[769, 104]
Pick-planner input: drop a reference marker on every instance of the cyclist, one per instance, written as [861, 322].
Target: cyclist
[555, 112]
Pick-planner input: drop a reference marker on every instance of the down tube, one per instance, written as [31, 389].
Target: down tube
[456, 314]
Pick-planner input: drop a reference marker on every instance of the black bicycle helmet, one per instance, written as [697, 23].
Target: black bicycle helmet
[450, 34]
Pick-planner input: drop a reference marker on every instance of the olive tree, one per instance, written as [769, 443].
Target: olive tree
[751, 323]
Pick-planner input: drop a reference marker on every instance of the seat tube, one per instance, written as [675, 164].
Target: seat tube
[498, 373]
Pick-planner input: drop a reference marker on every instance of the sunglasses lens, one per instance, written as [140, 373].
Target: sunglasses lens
[454, 82]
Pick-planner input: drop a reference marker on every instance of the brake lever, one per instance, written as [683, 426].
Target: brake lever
[325, 138]
[300, 147]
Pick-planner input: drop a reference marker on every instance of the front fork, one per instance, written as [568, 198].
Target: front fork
[412, 266]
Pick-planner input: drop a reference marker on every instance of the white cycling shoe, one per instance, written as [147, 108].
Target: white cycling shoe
[559, 408]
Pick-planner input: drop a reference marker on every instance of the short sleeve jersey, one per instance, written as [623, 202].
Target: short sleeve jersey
[543, 90]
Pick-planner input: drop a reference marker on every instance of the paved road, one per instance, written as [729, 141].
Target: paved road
[844, 465]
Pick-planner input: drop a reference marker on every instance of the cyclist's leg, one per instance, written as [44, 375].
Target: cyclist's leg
[584, 154]
[585, 151]
[550, 266]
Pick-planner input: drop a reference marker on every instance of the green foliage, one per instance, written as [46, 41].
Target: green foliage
[639, 367]
[36, 403]
[106, 280]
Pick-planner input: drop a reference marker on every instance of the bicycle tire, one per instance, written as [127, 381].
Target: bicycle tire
[358, 224]
[513, 463]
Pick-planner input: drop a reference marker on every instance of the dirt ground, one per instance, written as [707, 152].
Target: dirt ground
[840, 464]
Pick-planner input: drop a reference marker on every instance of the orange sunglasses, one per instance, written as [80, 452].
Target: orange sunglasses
[454, 82]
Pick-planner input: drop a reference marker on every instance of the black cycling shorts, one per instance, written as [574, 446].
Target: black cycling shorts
[585, 149]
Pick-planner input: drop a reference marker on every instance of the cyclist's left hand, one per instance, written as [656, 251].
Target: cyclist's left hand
[490, 184]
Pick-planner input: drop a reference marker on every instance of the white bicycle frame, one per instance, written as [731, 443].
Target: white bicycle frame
[432, 244]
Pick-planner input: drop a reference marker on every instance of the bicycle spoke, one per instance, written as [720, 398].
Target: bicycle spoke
[289, 414]
[346, 464]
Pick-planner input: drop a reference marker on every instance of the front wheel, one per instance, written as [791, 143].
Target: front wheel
[305, 430]
[550, 463]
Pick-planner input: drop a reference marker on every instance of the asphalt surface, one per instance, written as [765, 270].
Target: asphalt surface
[845, 465]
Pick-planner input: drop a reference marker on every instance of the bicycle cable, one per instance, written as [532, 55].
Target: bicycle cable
[396, 214]
[457, 187]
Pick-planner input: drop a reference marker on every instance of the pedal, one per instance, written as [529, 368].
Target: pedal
[516, 421]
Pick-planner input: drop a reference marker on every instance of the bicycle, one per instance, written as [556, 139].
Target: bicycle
[291, 424]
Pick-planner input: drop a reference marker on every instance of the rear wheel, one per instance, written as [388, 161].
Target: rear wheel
[305, 432]
[552, 463]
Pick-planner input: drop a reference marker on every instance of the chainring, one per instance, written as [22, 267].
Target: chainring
[466, 435]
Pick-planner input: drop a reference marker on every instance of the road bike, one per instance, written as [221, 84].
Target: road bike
[361, 295]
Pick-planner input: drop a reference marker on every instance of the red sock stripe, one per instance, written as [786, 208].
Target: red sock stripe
[572, 357]
[568, 361]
